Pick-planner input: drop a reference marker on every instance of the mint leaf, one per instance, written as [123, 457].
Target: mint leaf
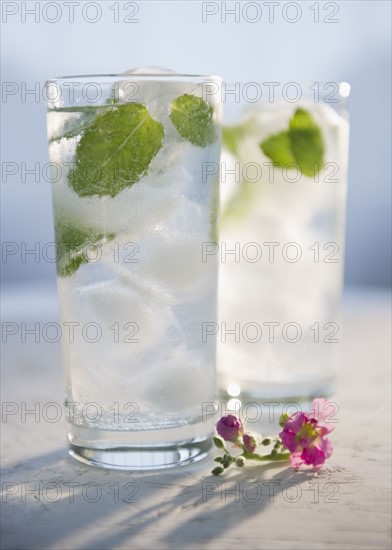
[278, 148]
[73, 243]
[193, 119]
[306, 142]
[115, 151]
[302, 144]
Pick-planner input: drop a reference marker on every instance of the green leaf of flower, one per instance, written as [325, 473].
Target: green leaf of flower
[283, 419]
[115, 151]
[219, 442]
[73, 243]
[227, 460]
[193, 119]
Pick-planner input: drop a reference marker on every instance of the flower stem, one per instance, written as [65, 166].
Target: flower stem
[262, 458]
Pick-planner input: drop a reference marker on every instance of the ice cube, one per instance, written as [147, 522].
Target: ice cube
[171, 253]
[182, 382]
[152, 70]
[150, 87]
[121, 332]
[116, 306]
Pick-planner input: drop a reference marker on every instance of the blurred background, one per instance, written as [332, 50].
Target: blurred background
[303, 41]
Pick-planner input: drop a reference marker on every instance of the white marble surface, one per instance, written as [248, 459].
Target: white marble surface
[345, 506]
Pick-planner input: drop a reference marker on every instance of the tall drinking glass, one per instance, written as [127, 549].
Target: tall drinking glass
[284, 181]
[132, 210]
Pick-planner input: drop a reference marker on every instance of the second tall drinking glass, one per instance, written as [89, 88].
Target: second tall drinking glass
[284, 181]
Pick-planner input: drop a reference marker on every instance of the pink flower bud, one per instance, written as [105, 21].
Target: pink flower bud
[229, 427]
[251, 442]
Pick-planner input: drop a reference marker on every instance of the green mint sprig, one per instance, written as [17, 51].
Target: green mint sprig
[193, 119]
[73, 243]
[117, 144]
[115, 151]
[302, 144]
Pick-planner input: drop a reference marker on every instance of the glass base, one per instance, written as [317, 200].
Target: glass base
[140, 448]
[258, 391]
[141, 458]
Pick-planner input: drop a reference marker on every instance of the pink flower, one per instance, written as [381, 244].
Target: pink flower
[229, 427]
[321, 411]
[304, 436]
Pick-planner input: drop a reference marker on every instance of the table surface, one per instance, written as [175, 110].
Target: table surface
[52, 501]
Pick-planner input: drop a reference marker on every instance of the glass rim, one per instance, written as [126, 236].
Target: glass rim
[301, 81]
[136, 76]
[344, 87]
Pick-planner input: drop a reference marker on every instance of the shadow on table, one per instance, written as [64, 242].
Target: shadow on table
[213, 506]
[108, 509]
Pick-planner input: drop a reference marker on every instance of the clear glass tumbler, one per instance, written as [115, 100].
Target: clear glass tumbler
[283, 189]
[132, 208]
